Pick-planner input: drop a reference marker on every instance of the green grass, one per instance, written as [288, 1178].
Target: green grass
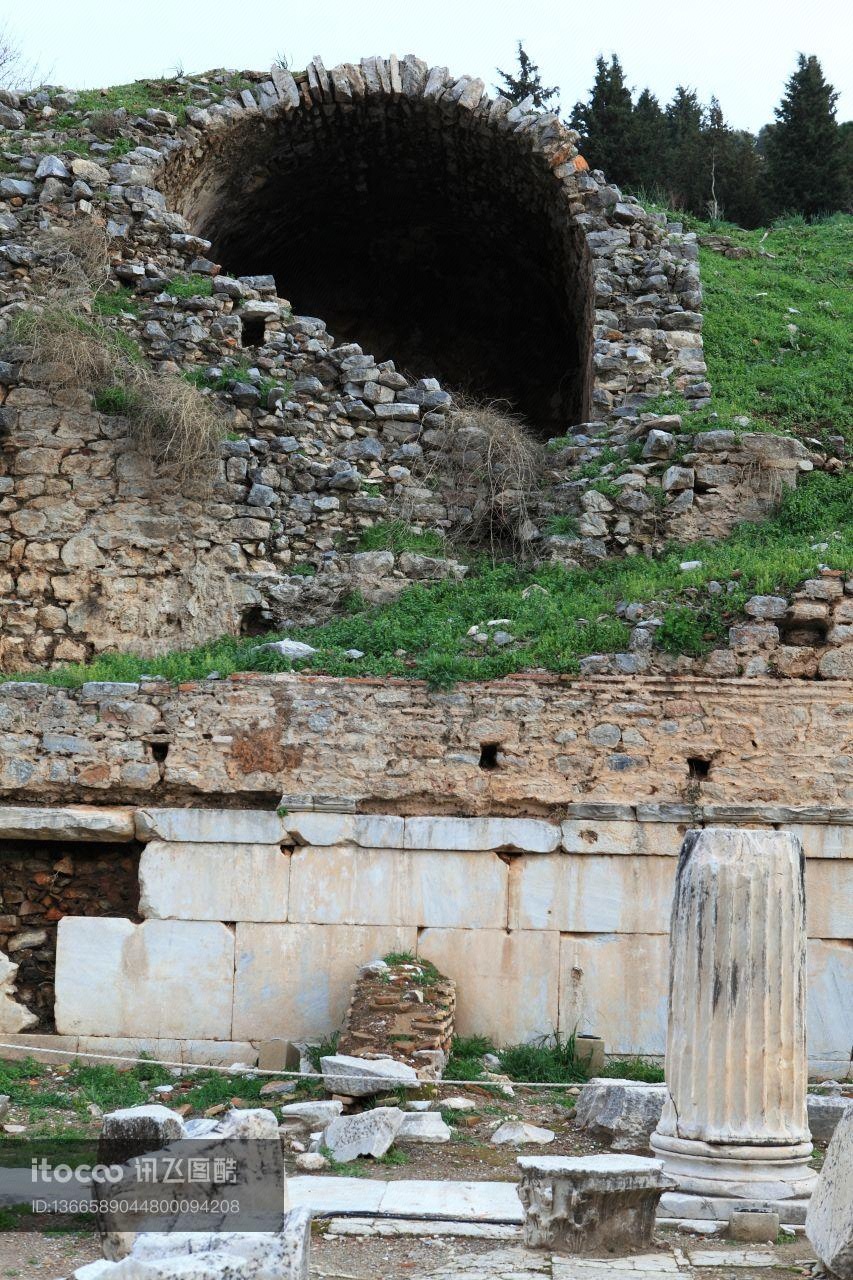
[190, 286]
[397, 536]
[116, 400]
[635, 1068]
[465, 1061]
[137, 98]
[790, 382]
[555, 628]
[546, 1061]
[113, 304]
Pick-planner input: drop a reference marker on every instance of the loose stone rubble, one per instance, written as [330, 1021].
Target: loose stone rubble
[590, 1204]
[226, 1255]
[825, 1111]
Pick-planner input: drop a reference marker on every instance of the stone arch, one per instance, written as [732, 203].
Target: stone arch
[460, 235]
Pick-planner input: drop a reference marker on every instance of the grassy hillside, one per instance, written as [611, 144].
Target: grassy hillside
[778, 325]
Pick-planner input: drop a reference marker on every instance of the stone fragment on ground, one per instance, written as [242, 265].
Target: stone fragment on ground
[308, 1116]
[458, 1104]
[370, 1133]
[226, 1255]
[825, 1111]
[423, 1126]
[361, 1077]
[829, 1220]
[519, 1132]
[623, 1112]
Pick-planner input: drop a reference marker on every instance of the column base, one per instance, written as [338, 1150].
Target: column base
[738, 1172]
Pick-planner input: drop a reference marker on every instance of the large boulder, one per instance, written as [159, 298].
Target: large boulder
[829, 1218]
[623, 1112]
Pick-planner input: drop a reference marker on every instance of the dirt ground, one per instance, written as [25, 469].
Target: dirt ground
[30, 1254]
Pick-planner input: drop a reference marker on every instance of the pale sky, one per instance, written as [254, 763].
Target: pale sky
[742, 50]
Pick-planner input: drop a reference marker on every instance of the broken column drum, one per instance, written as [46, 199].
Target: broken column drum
[735, 1123]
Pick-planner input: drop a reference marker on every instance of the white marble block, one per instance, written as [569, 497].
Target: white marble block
[735, 1123]
[162, 978]
[184, 881]
[829, 1221]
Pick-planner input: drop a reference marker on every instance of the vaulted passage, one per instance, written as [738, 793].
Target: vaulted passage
[424, 233]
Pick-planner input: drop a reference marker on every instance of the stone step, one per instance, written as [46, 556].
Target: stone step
[416, 1198]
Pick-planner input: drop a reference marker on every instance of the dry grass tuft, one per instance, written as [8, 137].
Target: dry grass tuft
[171, 420]
[489, 472]
[176, 425]
[107, 124]
[79, 257]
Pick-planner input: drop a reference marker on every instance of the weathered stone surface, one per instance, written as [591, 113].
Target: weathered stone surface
[360, 1077]
[593, 894]
[589, 1204]
[505, 982]
[132, 1130]
[223, 1255]
[209, 826]
[423, 1126]
[276, 989]
[824, 1112]
[310, 1115]
[370, 1133]
[518, 1133]
[598, 989]
[348, 885]
[624, 1112]
[829, 1220]
[160, 978]
[526, 834]
[71, 822]
[14, 1016]
[734, 1122]
[183, 881]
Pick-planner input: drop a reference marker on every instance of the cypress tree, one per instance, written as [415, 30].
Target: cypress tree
[527, 83]
[646, 166]
[605, 120]
[687, 179]
[804, 171]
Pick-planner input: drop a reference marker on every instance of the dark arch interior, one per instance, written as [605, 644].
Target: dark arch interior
[431, 240]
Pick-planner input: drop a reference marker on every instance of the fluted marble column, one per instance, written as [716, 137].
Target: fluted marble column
[735, 1121]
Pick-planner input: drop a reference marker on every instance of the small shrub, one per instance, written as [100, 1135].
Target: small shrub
[177, 425]
[505, 480]
[466, 1057]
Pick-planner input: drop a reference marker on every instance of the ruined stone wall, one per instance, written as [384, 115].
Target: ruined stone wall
[390, 743]
[254, 923]
[42, 882]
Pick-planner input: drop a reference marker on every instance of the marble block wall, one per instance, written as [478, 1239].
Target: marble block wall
[254, 923]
